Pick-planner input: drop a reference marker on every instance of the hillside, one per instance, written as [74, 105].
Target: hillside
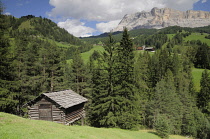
[40, 27]
[14, 127]
[140, 35]
[43, 29]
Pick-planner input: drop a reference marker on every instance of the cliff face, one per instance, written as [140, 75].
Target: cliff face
[160, 18]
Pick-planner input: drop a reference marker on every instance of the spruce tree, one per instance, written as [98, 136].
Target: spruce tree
[204, 94]
[125, 85]
[202, 57]
[8, 100]
[52, 67]
[99, 109]
[78, 74]
[141, 72]
[162, 125]
[104, 94]
[167, 102]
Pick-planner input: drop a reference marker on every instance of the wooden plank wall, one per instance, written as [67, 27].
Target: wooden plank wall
[58, 115]
[33, 112]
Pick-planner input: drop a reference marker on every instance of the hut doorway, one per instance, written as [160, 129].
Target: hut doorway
[45, 112]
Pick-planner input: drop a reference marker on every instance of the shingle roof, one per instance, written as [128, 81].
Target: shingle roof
[66, 99]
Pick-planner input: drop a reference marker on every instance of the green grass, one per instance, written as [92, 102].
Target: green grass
[26, 25]
[65, 45]
[14, 127]
[194, 36]
[137, 52]
[197, 73]
[170, 36]
[86, 55]
[198, 36]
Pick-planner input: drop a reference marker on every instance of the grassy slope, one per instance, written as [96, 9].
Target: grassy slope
[14, 127]
[194, 36]
[26, 25]
[198, 36]
[86, 55]
[197, 73]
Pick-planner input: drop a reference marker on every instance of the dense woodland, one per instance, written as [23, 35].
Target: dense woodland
[125, 89]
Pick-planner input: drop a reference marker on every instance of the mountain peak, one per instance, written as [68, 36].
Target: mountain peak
[164, 17]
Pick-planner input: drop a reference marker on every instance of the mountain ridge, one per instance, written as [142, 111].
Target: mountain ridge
[164, 17]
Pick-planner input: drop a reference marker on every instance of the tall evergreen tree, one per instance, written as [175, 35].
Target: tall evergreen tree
[125, 87]
[8, 100]
[141, 72]
[107, 103]
[52, 67]
[202, 57]
[167, 102]
[78, 74]
[99, 108]
[204, 94]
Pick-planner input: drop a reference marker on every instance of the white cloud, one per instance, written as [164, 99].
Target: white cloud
[109, 10]
[203, 1]
[76, 28]
[7, 13]
[182, 5]
[108, 26]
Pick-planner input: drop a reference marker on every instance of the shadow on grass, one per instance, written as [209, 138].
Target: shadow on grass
[153, 132]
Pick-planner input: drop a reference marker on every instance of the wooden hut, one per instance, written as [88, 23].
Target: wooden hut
[63, 107]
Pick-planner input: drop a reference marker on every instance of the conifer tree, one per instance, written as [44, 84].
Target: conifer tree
[78, 74]
[109, 99]
[188, 119]
[7, 96]
[141, 72]
[204, 94]
[99, 109]
[167, 102]
[125, 87]
[162, 125]
[202, 57]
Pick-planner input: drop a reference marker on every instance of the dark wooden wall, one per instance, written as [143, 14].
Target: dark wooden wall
[75, 113]
[46, 110]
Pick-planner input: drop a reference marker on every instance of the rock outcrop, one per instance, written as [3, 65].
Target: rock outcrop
[161, 18]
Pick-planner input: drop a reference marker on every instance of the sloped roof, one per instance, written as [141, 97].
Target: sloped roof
[65, 99]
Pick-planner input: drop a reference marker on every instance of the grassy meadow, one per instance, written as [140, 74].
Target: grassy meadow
[198, 36]
[86, 55]
[14, 127]
[197, 73]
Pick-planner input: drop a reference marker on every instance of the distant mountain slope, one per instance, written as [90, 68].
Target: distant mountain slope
[165, 17]
[40, 27]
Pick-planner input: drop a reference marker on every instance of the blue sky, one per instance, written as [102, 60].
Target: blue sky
[93, 17]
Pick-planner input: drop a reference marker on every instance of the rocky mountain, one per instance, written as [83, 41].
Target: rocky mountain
[164, 17]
